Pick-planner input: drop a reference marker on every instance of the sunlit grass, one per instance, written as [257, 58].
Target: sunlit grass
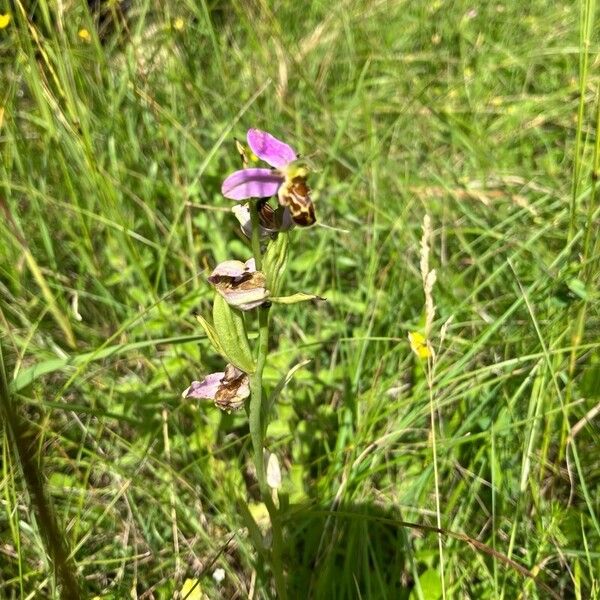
[113, 146]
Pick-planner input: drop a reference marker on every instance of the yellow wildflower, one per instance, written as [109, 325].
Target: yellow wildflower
[85, 35]
[419, 344]
[191, 590]
[4, 20]
[178, 24]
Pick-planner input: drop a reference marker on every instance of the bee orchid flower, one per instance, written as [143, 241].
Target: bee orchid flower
[228, 389]
[240, 283]
[286, 180]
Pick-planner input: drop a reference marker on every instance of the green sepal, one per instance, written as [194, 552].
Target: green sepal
[275, 262]
[231, 334]
[211, 334]
[294, 298]
[253, 527]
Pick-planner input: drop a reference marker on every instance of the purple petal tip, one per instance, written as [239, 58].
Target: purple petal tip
[268, 148]
[205, 389]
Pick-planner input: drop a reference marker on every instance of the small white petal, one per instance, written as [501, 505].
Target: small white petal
[219, 575]
[273, 471]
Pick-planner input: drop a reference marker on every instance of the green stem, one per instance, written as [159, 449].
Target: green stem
[276, 562]
[256, 427]
[255, 221]
[256, 431]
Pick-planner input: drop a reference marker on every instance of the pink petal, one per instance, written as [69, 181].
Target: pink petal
[251, 183]
[205, 389]
[270, 149]
[229, 268]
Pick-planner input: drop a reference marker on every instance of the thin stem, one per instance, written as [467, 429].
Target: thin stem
[255, 221]
[46, 519]
[276, 562]
[256, 431]
[429, 374]
[256, 427]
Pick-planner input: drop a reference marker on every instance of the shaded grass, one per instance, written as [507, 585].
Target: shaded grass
[112, 156]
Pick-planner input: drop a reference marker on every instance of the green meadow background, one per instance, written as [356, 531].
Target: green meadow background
[113, 145]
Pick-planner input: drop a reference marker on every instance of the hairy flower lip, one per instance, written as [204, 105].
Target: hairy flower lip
[240, 283]
[281, 222]
[228, 389]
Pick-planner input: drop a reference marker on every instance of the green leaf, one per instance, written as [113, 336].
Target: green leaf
[275, 262]
[578, 288]
[231, 335]
[431, 586]
[590, 380]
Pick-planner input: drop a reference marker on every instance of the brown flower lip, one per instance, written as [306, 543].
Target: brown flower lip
[271, 220]
[295, 195]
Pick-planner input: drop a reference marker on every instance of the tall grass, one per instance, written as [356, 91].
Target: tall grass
[112, 150]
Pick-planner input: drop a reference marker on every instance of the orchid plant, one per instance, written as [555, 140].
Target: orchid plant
[254, 285]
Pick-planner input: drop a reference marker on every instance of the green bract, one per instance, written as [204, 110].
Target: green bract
[228, 335]
[295, 298]
[231, 331]
[275, 261]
